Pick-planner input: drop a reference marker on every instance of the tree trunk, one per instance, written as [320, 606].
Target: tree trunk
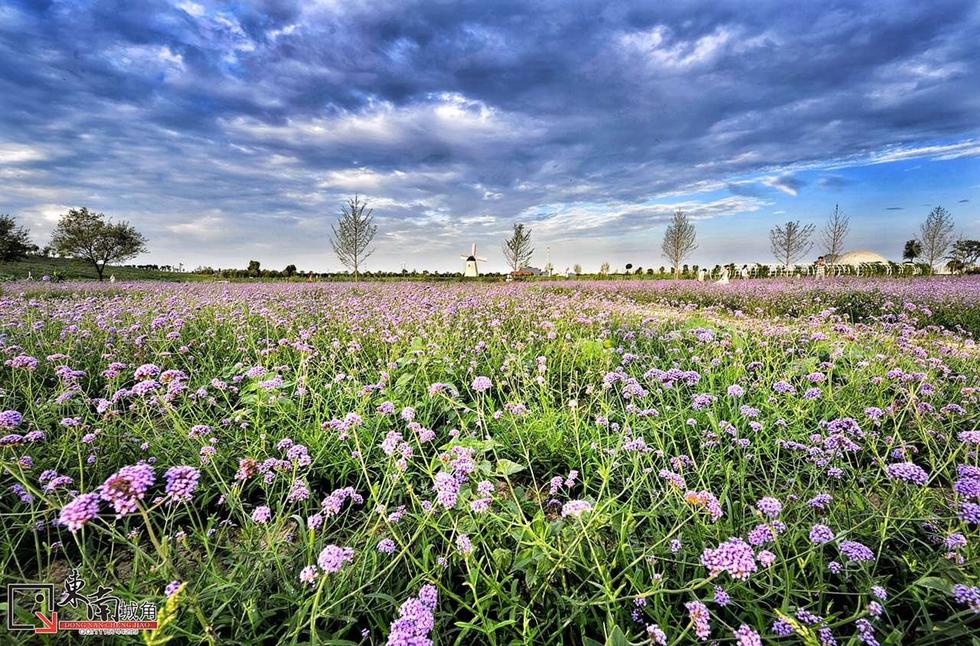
[99, 269]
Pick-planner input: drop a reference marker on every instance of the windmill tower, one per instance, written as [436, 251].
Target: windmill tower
[472, 270]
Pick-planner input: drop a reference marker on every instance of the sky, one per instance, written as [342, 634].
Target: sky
[234, 131]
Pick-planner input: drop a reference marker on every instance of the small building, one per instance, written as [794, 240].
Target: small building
[529, 271]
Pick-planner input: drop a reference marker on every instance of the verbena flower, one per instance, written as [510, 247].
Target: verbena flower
[967, 596]
[181, 482]
[707, 500]
[908, 472]
[125, 488]
[333, 558]
[722, 598]
[416, 619]
[700, 618]
[782, 628]
[10, 419]
[734, 556]
[447, 489]
[575, 508]
[464, 544]
[79, 511]
[657, 635]
[745, 636]
[820, 534]
[855, 551]
[308, 574]
[261, 514]
[866, 632]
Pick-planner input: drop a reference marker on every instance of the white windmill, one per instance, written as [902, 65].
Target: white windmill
[472, 270]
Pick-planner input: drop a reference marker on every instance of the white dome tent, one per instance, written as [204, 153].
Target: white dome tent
[854, 261]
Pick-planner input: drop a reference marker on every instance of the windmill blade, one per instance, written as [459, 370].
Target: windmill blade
[482, 259]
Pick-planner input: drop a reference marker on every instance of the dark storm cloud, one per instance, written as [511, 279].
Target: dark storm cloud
[216, 127]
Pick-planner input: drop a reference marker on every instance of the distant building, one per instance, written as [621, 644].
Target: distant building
[529, 271]
[858, 258]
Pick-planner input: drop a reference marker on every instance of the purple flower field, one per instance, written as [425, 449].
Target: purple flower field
[637, 462]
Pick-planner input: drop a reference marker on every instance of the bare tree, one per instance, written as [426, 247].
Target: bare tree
[353, 233]
[604, 267]
[833, 235]
[89, 236]
[518, 249]
[936, 235]
[791, 241]
[679, 240]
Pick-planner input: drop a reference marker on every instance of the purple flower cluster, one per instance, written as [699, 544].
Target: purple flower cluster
[734, 556]
[10, 419]
[79, 511]
[125, 488]
[447, 489]
[181, 482]
[745, 636]
[707, 500]
[820, 534]
[907, 472]
[575, 508]
[700, 618]
[855, 551]
[482, 384]
[416, 619]
[967, 596]
[333, 558]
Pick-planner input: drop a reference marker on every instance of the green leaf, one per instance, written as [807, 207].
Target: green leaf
[508, 468]
[617, 637]
[935, 583]
[404, 380]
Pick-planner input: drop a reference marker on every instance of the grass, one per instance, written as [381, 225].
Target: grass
[67, 268]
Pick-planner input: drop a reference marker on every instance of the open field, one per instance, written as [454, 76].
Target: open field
[577, 462]
[39, 266]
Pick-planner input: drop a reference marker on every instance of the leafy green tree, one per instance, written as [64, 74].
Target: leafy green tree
[965, 253]
[254, 268]
[91, 237]
[913, 249]
[15, 241]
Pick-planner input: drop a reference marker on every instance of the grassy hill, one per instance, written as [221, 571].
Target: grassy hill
[38, 266]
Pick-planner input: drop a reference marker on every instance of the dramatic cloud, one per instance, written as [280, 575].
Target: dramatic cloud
[235, 131]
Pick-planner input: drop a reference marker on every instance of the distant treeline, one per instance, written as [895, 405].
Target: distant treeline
[255, 271]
